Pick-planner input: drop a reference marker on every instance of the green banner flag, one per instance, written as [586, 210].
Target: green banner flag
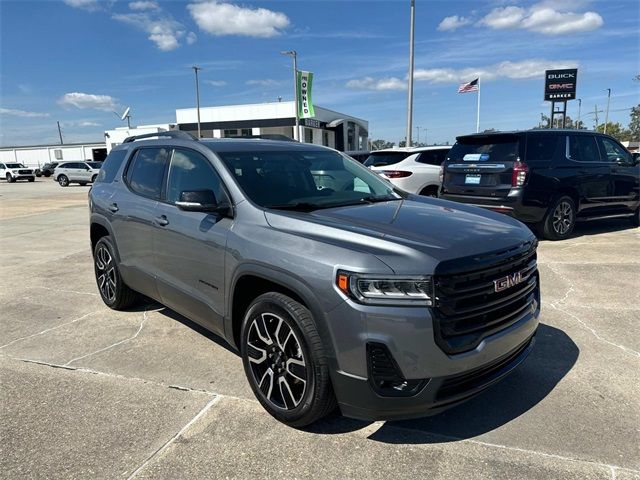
[305, 103]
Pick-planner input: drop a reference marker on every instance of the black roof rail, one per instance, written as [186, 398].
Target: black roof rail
[171, 134]
[265, 136]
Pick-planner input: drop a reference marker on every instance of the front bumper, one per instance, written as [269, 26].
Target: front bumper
[408, 334]
[513, 204]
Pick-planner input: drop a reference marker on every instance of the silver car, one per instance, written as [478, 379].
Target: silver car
[337, 289]
[76, 172]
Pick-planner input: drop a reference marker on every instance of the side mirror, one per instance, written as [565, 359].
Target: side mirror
[200, 201]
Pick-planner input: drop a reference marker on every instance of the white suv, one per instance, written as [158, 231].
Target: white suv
[16, 171]
[414, 170]
[76, 172]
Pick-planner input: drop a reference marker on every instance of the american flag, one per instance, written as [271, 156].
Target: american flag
[469, 87]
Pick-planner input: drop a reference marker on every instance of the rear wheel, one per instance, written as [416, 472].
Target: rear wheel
[63, 180]
[114, 292]
[47, 174]
[284, 360]
[560, 219]
[430, 191]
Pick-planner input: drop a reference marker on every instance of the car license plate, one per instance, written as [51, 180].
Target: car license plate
[472, 179]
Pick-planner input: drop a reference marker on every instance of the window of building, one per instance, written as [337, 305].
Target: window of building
[230, 132]
[308, 135]
[246, 132]
[325, 138]
[58, 154]
[146, 173]
[191, 171]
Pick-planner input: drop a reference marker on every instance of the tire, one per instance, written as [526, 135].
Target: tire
[32, 179]
[10, 179]
[47, 174]
[39, 174]
[114, 292]
[635, 219]
[93, 179]
[82, 184]
[560, 220]
[63, 180]
[430, 191]
[308, 394]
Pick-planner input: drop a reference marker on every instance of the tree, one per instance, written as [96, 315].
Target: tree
[380, 144]
[403, 143]
[557, 122]
[616, 130]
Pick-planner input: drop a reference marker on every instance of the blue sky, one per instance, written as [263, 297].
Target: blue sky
[76, 61]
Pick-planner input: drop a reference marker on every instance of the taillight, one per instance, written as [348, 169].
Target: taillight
[395, 173]
[519, 175]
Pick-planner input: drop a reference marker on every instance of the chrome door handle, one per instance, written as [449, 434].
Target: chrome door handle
[114, 207]
[162, 221]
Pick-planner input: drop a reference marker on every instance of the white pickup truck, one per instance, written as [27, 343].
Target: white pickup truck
[16, 171]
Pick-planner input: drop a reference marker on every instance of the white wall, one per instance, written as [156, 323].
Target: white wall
[117, 135]
[38, 156]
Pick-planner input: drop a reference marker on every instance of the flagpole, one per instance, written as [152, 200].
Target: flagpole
[478, 115]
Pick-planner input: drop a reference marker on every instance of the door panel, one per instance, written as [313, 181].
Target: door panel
[625, 175]
[593, 175]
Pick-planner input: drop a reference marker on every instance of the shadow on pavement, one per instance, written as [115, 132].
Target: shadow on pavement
[597, 227]
[552, 358]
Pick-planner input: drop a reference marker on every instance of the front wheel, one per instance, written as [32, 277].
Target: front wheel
[63, 180]
[560, 219]
[32, 179]
[93, 179]
[10, 179]
[635, 219]
[114, 292]
[284, 360]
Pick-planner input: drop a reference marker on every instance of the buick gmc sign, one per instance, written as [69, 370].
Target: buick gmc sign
[560, 85]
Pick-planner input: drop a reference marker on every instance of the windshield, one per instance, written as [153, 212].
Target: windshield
[15, 165]
[95, 164]
[305, 180]
[382, 159]
[494, 148]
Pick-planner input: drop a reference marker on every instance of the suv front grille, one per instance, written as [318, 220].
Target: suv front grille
[468, 307]
[24, 172]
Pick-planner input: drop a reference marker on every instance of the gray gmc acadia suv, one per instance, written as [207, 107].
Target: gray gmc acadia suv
[335, 287]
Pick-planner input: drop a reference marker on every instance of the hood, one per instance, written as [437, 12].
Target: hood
[411, 235]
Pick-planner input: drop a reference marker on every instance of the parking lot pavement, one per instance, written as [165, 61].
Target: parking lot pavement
[87, 392]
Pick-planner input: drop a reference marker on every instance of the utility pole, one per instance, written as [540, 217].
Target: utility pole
[579, 112]
[293, 54]
[60, 133]
[418, 129]
[410, 95]
[595, 112]
[606, 117]
[195, 69]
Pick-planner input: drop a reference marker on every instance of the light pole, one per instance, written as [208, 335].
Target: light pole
[410, 95]
[294, 55]
[579, 112]
[606, 115]
[195, 69]
[418, 129]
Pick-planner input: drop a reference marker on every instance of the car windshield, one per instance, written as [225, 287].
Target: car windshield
[94, 164]
[382, 159]
[305, 180]
[15, 165]
[491, 148]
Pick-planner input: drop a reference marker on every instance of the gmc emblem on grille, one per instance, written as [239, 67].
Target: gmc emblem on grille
[509, 281]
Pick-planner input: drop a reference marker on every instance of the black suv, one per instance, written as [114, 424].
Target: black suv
[547, 178]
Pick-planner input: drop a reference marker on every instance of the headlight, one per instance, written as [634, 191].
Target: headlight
[386, 289]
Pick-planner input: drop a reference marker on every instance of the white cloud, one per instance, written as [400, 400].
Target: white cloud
[80, 124]
[524, 69]
[218, 18]
[191, 38]
[380, 84]
[216, 83]
[504, 17]
[266, 82]
[90, 5]
[22, 113]
[542, 18]
[88, 124]
[163, 30]
[144, 5]
[87, 100]
[453, 22]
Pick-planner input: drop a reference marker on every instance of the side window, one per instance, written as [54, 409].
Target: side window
[111, 166]
[432, 157]
[189, 171]
[146, 172]
[613, 151]
[583, 148]
[541, 147]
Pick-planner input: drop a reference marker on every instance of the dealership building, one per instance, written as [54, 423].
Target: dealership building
[332, 129]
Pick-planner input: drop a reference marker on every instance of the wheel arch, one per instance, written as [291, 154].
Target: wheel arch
[99, 228]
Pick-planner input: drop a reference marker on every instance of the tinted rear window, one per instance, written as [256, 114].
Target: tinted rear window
[146, 174]
[381, 159]
[494, 148]
[111, 166]
[433, 157]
